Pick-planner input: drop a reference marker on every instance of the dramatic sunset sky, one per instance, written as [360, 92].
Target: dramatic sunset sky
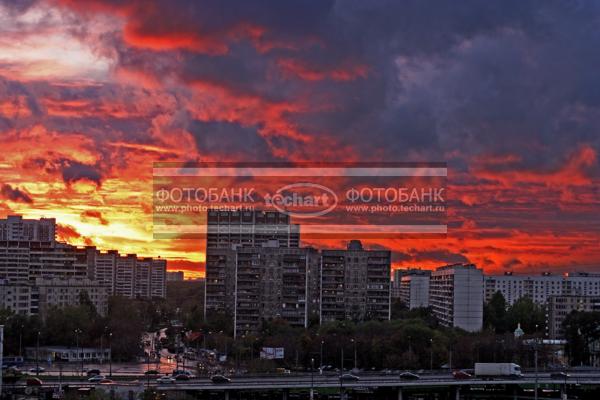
[506, 92]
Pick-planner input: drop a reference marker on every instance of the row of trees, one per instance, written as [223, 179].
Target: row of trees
[411, 339]
[121, 328]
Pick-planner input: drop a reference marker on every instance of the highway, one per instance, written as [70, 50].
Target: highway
[304, 381]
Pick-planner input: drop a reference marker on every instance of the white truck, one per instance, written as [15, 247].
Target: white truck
[497, 370]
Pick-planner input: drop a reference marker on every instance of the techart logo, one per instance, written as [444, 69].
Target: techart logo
[303, 200]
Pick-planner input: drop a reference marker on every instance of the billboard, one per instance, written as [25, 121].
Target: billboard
[271, 353]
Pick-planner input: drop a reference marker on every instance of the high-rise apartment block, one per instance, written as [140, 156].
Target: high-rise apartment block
[15, 228]
[456, 296]
[540, 288]
[355, 283]
[250, 228]
[558, 307]
[255, 271]
[50, 273]
[175, 276]
[414, 288]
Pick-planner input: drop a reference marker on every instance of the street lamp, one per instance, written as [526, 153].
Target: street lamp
[79, 352]
[431, 354]
[110, 354]
[21, 341]
[312, 378]
[37, 355]
[355, 354]
[535, 352]
[321, 357]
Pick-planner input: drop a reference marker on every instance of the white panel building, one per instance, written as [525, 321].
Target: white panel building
[456, 296]
[540, 288]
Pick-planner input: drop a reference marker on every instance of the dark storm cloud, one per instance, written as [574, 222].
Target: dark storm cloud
[441, 77]
[229, 139]
[15, 194]
[73, 171]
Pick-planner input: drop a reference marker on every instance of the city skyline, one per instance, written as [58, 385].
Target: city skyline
[498, 92]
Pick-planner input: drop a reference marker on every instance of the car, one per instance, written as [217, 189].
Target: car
[93, 372]
[96, 379]
[106, 381]
[460, 374]
[182, 377]
[180, 372]
[349, 378]
[37, 370]
[219, 379]
[559, 375]
[409, 376]
[34, 382]
[152, 372]
[165, 380]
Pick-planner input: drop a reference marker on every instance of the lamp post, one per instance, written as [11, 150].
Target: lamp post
[321, 358]
[21, 341]
[431, 354]
[535, 355]
[1, 355]
[355, 354]
[110, 354]
[37, 355]
[312, 378]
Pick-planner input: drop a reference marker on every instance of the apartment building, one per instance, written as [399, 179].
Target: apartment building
[250, 228]
[355, 284]
[175, 276]
[52, 273]
[273, 282]
[414, 288]
[230, 230]
[255, 272]
[16, 297]
[67, 292]
[559, 306]
[44, 294]
[540, 288]
[456, 296]
[23, 262]
[15, 228]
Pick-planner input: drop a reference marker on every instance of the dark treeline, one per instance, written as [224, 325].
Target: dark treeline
[412, 339]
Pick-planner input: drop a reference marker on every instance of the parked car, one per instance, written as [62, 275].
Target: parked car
[106, 381]
[559, 375]
[349, 378]
[37, 370]
[409, 376]
[96, 378]
[460, 374]
[182, 377]
[165, 380]
[93, 372]
[220, 379]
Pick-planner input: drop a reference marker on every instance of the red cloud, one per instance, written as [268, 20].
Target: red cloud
[307, 72]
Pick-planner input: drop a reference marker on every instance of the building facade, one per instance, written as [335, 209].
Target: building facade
[540, 288]
[355, 284]
[559, 307]
[175, 276]
[15, 228]
[456, 296]
[52, 273]
[256, 271]
[414, 288]
[250, 229]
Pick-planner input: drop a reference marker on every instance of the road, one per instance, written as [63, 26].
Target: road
[305, 381]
